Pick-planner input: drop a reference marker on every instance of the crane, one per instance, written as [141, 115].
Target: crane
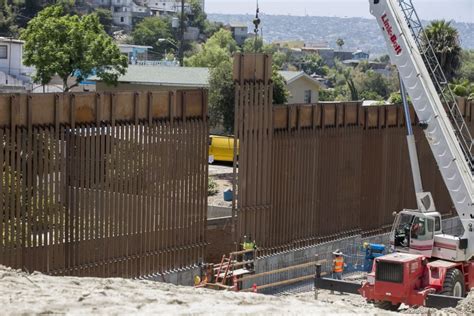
[447, 133]
[425, 266]
[424, 259]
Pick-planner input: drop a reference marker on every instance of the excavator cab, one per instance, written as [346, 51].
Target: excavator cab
[413, 232]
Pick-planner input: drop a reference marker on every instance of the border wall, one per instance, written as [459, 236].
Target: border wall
[108, 185]
[312, 173]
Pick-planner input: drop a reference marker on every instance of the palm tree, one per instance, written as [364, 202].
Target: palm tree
[340, 43]
[445, 41]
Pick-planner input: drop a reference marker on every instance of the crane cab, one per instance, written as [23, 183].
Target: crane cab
[414, 232]
[420, 233]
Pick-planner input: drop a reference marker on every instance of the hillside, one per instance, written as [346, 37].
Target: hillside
[358, 33]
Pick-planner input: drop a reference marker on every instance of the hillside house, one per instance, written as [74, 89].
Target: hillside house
[239, 32]
[134, 53]
[12, 70]
[302, 88]
[155, 78]
[360, 55]
[166, 7]
[327, 54]
[127, 13]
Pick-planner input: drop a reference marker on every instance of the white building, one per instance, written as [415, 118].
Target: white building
[127, 12]
[134, 53]
[165, 7]
[12, 70]
[124, 12]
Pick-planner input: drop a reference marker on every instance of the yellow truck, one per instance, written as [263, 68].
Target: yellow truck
[221, 148]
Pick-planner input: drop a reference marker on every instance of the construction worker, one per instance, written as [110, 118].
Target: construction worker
[337, 265]
[197, 280]
[209, 274]
[415, 229]
[248, 244]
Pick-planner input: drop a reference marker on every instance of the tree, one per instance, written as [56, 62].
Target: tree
[279, 59]
[395, 98]
[223, 39]
[216, 50]
[222, 96]
[445, 41]
[370, 85]
[149, 32]
[463, 88]
[340, 43]
[209, 56]
[198, 17]
[467, 65]
[28, 10]
[105, 18]
[252, 45]
[344, 76]
[384, 59]
[216, 54]
[314, 64]
[69, 45]
[280, 92]
[7, 19]
[69, 6]
[210, 28]
[256, 45]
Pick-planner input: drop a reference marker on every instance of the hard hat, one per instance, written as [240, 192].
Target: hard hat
[337, 253]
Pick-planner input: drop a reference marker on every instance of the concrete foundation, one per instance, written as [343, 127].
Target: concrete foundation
[218, 212]
[179, 277]
[351, 247]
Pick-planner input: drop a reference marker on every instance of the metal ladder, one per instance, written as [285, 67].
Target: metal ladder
[438, 77]
[224, 269]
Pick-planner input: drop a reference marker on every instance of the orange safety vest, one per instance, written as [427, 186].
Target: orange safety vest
[338, 264]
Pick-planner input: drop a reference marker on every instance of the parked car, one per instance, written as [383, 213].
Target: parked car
[221, 148]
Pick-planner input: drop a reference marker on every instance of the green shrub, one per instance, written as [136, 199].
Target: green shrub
[212, 187]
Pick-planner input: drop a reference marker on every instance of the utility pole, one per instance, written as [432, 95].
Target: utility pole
[256, 22]
[181, 42]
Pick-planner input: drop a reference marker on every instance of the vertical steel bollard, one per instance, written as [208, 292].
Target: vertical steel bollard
[316, 279]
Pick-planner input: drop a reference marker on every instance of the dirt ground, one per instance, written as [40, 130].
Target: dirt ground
[27, 294]
[222, 174]
[466, 307]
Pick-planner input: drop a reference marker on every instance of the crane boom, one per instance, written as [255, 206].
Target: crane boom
[446, 131]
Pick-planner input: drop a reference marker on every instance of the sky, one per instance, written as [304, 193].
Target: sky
[459, 10]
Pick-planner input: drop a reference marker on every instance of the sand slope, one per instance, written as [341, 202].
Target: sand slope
[37, 293]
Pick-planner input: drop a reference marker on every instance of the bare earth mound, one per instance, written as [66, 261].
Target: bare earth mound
[37, 293]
